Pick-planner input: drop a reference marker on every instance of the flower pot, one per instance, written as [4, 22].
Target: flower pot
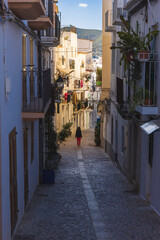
[130, 56]
[144, 55]
[48, 176]
[148, 102]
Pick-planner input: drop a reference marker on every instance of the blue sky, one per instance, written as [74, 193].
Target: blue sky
[81, 13]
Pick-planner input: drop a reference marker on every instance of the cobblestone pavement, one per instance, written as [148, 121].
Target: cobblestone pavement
[64, 211]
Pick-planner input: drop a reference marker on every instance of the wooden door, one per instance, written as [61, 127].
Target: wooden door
[25, 147]
[13, 179]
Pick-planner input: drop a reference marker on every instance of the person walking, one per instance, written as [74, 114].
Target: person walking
[78, 136]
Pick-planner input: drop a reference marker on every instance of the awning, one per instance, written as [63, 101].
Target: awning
[151, 127]
[64, 70]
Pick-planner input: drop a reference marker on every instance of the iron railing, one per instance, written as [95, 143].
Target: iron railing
[31, 99]
[46, 86]
[57, 26]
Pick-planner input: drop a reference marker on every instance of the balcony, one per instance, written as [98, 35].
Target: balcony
[148, 103]
[41, 23]
[109, 22]
[51, 37]
[118, 11]
[48, 37]
[36, 98]
[27, 9]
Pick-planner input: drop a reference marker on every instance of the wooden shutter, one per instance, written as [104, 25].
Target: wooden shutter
[13, 179]
[119, 90]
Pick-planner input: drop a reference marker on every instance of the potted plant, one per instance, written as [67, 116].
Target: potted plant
[52, 155]
[97, 138]
[132, 43]
[133, 48]
[65, 132]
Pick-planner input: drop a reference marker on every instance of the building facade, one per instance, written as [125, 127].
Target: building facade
[74, 65]
[135, 104]
[25, 87]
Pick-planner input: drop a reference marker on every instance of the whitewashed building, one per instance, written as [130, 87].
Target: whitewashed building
[73, 63]
[24, 99]
[128, 140]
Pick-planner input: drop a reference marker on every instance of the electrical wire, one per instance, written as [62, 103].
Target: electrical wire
[85, 48]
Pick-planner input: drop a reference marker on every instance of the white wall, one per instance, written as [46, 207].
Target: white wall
[155, 189]
[11, 117]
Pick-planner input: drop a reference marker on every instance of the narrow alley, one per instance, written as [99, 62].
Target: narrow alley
[90, 200]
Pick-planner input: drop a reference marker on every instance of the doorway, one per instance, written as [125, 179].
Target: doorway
[25, 147]
[13, 179]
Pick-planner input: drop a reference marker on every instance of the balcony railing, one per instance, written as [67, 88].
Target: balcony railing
[81, 105]
[109, 21]
[51, 36]
[118, 11]
[50, 10]
[149, 84]
[32, 101]
[57, 26]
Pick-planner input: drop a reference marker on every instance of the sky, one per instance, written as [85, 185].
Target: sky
[81, 13]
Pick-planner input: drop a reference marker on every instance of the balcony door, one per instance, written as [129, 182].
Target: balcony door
[24, 71]
[25, 149]
[13, 179]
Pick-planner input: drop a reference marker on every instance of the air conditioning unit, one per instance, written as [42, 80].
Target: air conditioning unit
[118, 11]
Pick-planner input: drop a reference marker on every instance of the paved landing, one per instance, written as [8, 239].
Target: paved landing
[90, 200]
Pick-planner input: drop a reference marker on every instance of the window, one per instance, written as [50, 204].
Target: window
[113, 59]
[82, 64]
[119, 90]
[24, 50]
[151, 144]
[71, 64]
[32, 141]
[31, 51]
[58, 107]
[124, 141]
[62, 60]
[149, 83]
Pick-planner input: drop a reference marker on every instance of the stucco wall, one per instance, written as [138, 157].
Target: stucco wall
[11, 117]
